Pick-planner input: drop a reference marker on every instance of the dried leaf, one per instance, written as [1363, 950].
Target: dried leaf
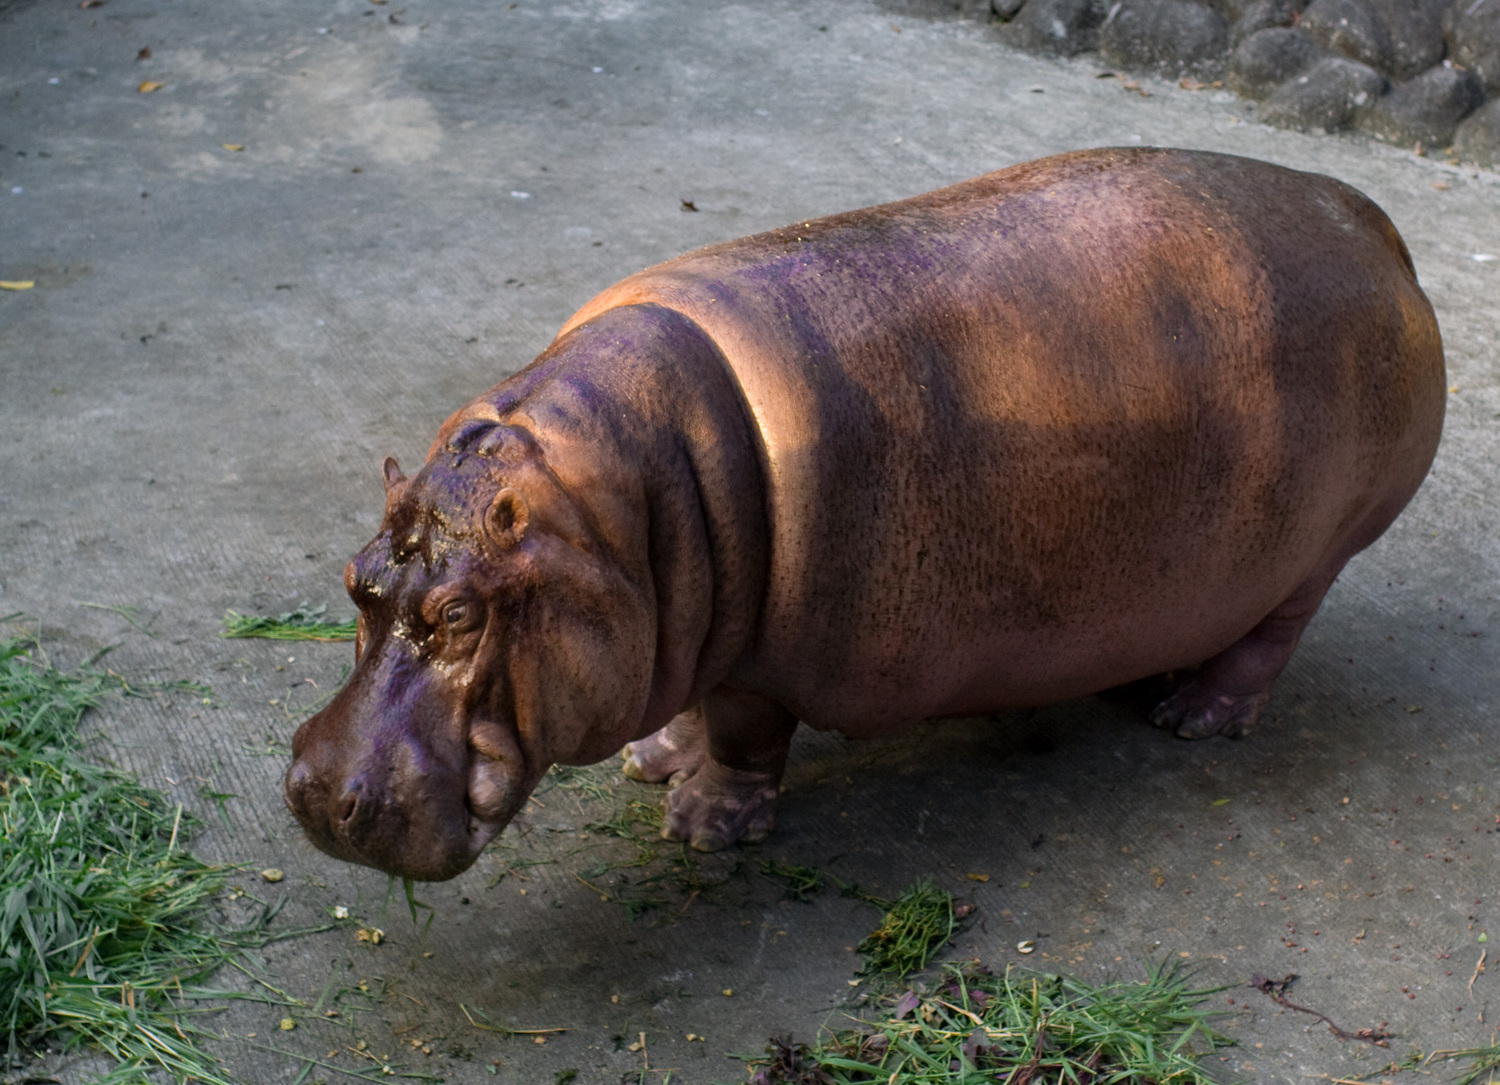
[148, 86]
[233, 146]
[144, 54]
[17, 284]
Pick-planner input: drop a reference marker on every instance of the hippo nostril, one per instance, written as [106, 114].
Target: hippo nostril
[348, 806]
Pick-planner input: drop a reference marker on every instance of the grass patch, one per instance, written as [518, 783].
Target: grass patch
[103, 933]
[305, 623]
[916, 925]
[1018, 1028]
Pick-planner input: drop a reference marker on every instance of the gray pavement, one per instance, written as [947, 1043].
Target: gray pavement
[222, 344]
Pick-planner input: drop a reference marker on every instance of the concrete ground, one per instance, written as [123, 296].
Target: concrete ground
[222, 344]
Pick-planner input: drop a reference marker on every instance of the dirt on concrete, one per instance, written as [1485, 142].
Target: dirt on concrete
[331, 224]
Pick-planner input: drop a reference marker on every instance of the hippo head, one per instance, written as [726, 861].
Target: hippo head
[499, 632]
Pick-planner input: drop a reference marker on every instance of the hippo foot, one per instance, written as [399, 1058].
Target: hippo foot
[672, 754]
[721, 805]
[1195, 712]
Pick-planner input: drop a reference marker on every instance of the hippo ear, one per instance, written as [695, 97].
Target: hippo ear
[394, 479]
[506, 520]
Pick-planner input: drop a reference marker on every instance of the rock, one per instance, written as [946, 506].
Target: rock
[1427, 109]
[1268, 58]
[936, 9]
[1351, 27]
[1474, 39]
[1325, 97]
[1415, 29]
[1262, 15]
[1165, 34]
[1478, 138]
[1065, 27]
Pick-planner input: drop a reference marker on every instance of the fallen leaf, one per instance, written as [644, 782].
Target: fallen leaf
[93, 4]
[17, 284]
[148, 86]
[144, 54]
[233, 146]
[272, 874]
[977, 877]
[1219, 802]
[287, 1024]
[1440, 186]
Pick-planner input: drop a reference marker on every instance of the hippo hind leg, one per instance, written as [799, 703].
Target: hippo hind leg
[672, 754]
[1231, 689]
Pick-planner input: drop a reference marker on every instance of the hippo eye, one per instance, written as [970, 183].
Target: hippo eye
[455, 613]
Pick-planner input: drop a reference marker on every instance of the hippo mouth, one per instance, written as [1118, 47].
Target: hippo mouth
[496, 788]
[413, 816]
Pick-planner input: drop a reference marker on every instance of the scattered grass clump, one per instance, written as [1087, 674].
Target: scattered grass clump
[800, 882]
[916, 925]
[97, 923]
[1484, 1063]
[305, 623]
[587, 780]
[105, 935]
[1021, 1028]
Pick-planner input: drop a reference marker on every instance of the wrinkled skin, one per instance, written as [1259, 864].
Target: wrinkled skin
[1055, 429]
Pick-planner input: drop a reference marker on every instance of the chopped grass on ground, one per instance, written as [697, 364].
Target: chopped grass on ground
[103, 931]
[1484, 1063]
[916, 925]
[304, 623]
[1022, 1028]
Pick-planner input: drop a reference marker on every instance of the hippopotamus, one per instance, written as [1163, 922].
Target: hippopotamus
[1103, 416]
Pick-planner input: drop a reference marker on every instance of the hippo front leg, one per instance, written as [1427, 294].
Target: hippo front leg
[732, 796]
[672, 754]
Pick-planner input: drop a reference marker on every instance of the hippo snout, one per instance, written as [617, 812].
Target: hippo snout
[350, 808]
[359, 817]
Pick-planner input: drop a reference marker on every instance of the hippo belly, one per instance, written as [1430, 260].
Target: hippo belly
[1054, 429]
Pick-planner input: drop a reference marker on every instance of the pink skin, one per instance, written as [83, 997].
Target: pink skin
[1052, 430]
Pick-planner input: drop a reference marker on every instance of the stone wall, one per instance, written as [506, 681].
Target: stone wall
[1423, 74]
